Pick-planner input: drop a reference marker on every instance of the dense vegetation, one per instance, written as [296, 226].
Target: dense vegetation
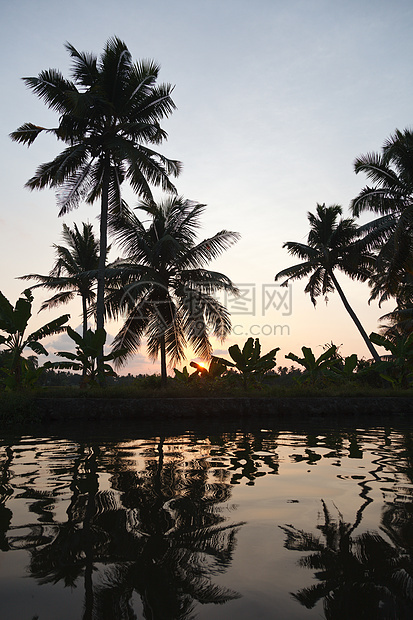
[162, 288]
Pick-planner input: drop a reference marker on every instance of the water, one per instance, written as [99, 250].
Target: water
[257, 524]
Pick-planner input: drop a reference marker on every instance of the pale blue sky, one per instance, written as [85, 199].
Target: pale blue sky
[275, 100]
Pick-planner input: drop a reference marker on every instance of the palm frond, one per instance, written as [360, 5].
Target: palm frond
[147, 167]
[173, 333]
[57, 300]
[52, 87]
[84, 67]
[130, 335]
[60, 169]
[209, 249]
[318, 284]
[157, 104]
[205, 281]
[377, 199]
[376, 169]
[26, 133]
[74, 188]
[302, 250]
[295, 272]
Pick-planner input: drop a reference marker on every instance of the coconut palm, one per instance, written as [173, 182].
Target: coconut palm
[162, 287]
[391, 197]
[398, 322]
[72, 273]
[329, 247]
[109, 114]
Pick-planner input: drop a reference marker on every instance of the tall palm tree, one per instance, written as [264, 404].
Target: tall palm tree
[329, 247]
[72, 273]
[162, 287]
[391, 197]
[108, 115]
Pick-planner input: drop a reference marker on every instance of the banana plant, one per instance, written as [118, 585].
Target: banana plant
[88, 349]
[216, 369]
[399, 369]
[249, 361]
[346, 366]
[183, 375]
[18, 370]
[315, 367]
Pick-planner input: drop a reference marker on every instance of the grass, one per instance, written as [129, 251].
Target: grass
[217, 389]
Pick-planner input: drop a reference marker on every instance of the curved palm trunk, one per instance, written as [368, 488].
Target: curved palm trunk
[351, 312]
[164, 376]
[100, 298]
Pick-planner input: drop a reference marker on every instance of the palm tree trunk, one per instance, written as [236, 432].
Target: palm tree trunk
[351, 312]
[100, 298]
[84, 329]
[84, 314]
[164, 376]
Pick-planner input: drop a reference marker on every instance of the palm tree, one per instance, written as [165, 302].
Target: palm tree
[162, 287]
[391, 198]
[72, 273]
[398, 322]
[329, 247]
[109, 113]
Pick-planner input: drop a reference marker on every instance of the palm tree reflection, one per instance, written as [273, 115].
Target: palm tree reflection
[5, 492]
[157, 532]
[362, 576]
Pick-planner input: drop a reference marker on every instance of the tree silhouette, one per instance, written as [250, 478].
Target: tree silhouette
[330, 246]
[156, 532]
[162, 286]
[360, 576]
[72, 273]
[108, 115]
[5, 492]
[390, 235]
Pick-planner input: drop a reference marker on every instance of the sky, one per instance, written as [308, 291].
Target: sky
[274, 101]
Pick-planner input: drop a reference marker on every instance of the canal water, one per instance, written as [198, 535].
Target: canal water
[140, 523]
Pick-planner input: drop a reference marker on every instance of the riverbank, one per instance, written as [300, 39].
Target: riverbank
[64, 409]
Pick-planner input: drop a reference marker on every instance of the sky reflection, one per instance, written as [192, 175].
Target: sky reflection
[199, 526]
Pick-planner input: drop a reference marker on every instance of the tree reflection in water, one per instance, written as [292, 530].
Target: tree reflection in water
[157, 532]
[362, 576]
[147, 529]
[5, 491]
